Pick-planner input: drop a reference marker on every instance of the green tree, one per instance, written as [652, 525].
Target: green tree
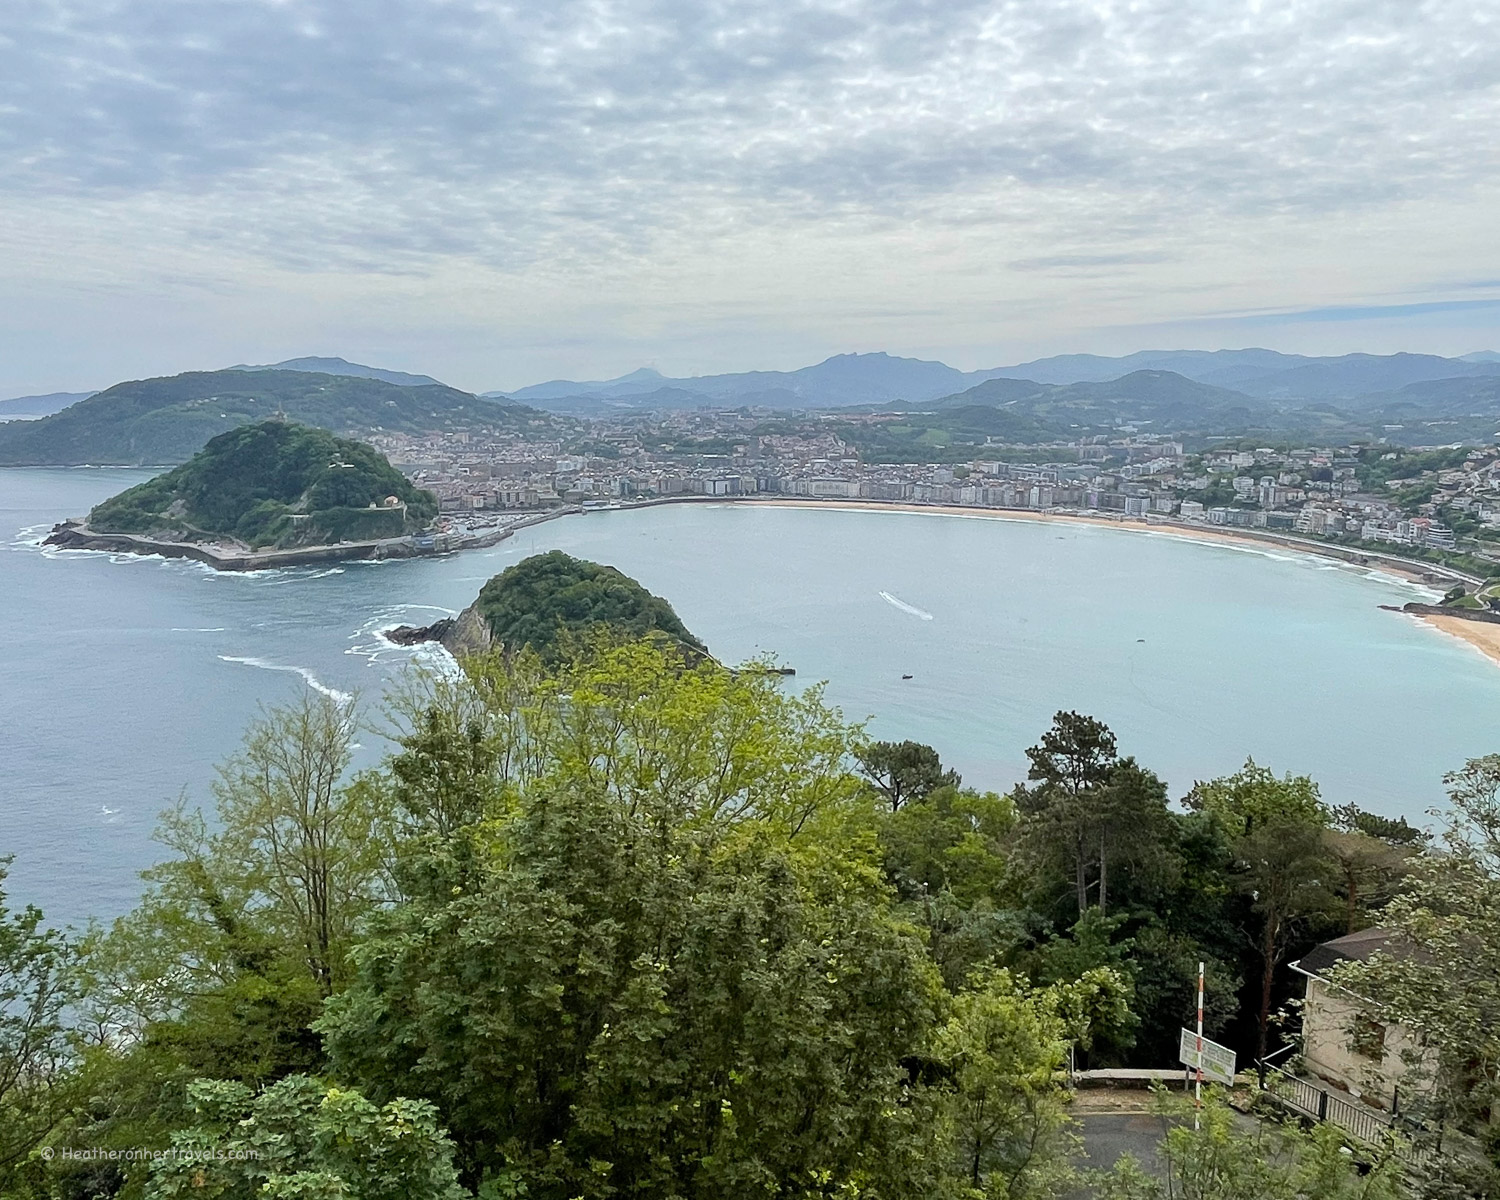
[630, 1002]
[904, 771]
[1277, 827]
[948, 858]
[1091, 809]
[1372, 854]
[642, 719]
[37, 1053]
[669, 963]
[302, 1140]
[1069, 766]
[297, 856]
[1228, 1156]
[243, 931]
[1004, 1047]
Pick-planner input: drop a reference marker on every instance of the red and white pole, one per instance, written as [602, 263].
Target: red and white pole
[1198, 1081]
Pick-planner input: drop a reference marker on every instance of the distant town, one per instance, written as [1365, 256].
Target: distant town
[1441, 503]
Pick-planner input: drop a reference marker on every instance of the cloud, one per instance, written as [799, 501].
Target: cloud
[1085, 261]
[362, 132]
[788, 160]
[1358, 312]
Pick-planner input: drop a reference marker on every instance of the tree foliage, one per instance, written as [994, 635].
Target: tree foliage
[612, 921]
[301, 1140]
[547, 600]
[904, 771]
[1230, 1157]
[37, 1051]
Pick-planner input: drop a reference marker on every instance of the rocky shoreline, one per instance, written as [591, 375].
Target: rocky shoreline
[76, 535]
[1482, 615]
[467, 633]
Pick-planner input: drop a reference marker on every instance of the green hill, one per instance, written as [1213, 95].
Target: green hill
[161, 421]
[542, 599]
[272, 484]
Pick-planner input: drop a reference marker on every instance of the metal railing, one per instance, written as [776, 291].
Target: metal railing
[1376, 1129]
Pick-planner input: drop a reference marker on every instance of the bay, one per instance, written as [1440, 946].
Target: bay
[123, 680]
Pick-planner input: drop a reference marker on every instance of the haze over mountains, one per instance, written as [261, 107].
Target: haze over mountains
[862, 379]
[342, 366]
[1416, 399]
[157, 422]
[29, 407]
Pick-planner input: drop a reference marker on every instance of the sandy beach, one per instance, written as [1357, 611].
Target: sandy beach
[1484, 636]
[1206, 533]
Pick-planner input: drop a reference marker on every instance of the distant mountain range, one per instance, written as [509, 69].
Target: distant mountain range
[166, 421]
[848, 380]
[27, 407]
[1411, 398]
[1431, 412]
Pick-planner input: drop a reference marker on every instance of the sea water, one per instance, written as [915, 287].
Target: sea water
[125, 679]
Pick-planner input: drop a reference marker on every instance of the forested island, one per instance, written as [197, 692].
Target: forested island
[273, 485]
[613, 920]
[547, 604]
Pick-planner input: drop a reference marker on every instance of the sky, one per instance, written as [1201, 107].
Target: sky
[501, 193]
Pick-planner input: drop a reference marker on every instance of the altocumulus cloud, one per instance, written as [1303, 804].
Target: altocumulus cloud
[383, 134]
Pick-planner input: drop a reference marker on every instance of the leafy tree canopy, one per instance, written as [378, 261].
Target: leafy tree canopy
[544, 601]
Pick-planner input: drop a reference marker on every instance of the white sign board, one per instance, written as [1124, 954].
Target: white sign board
[1218, 1061]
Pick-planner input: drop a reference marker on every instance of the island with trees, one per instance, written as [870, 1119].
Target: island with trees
[271, 493]
[546, 603]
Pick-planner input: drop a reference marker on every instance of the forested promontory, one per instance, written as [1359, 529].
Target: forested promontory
[154, 422]
[272, 484]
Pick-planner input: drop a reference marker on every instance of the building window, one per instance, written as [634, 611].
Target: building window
[1368, 1038]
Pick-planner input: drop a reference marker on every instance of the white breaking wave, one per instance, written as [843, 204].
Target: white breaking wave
[905, 607]
[32, 535]
[308, 677]
[211, 629]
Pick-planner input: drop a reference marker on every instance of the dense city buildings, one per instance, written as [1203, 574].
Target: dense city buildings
[1446, 499]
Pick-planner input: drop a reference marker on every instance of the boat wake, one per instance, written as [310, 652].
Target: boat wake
[905, 607]
[308, 677]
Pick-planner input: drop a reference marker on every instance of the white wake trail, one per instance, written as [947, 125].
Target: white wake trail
[308, 677]
[905, 607]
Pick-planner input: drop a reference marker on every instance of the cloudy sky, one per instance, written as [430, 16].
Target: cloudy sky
[498, 193]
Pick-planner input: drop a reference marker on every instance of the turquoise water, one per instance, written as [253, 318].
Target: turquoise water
[123, 680]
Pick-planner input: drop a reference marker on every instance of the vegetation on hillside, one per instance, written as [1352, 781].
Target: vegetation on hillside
[272, 484]
[546, 601]
[618, 922]
[152, 422]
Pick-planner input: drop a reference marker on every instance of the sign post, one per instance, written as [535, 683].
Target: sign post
[1198, 1079]
[1213, 1062]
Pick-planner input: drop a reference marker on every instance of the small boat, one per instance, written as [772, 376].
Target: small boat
[906, 677]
